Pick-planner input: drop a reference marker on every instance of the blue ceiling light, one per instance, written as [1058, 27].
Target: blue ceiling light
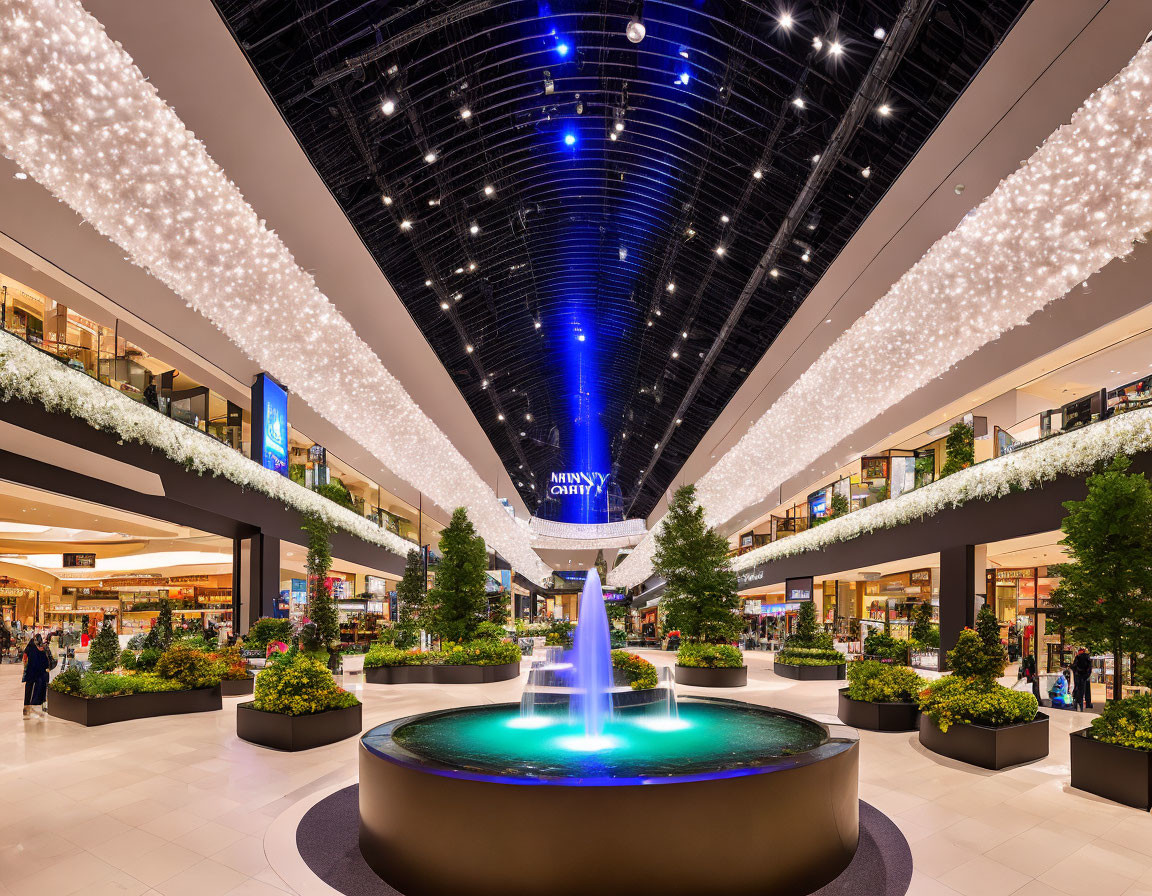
[562, 48]
[569, 139]
[683, 78]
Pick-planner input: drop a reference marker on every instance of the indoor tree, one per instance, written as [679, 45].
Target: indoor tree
[105, 650]
[321, 608]
[410, 597]
[924, 632]
[1105, 591]
[700, 598]
[161, 634]
[458, 602]
[959, 448]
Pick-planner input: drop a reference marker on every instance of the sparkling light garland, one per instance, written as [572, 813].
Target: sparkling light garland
[79, 117]
[1074, 453]
[1081, 200]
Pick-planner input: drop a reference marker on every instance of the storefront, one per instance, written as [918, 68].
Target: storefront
[1021, 599]
[133, 601]
[894, 599]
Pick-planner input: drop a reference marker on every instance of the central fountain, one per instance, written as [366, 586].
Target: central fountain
[558, 794]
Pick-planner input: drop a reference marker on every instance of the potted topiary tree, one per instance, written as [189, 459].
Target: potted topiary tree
[881, 697]
[969, 716]
[320, 639]
[458, 601]
[700, 598]
[809, 654]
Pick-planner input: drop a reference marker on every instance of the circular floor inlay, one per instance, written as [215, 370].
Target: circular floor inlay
[327, 840]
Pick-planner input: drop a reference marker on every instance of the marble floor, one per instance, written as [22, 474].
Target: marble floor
[179, 806]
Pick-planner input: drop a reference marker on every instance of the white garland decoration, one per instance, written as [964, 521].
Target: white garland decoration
[30, 375]
[1083, 199]
[80, 117]
[1074, 453]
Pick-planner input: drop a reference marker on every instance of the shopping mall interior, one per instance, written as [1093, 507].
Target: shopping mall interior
[505, 447]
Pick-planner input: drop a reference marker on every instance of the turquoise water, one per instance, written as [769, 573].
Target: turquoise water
[708, 738]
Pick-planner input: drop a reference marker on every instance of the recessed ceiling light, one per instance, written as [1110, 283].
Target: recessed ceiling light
[798, 102]
[20, 175]
[405, 224]
[388, 106]
[828, 321]
[757, 174]
[885, 110]
[528, 417]
[471, 265]
[805, 256]
[675, 355]
[786, 21]
[678, 421]
[612, 136]
[500, 417]
[468, 348]
[537, 325]
[474, 229]
[720, 250]
[866, 171]
[879, 33]
[684, 334]
[459, 270]
[835, 48]
[489, 189]
[684, 52]
[444, 306]
[775, 272]
[671, 287]
[465, 113]
[387, 200]
[724, 219]
[818, 42]
[635, 30]
[427, 282]
[815, 158]
[619, 126]
[430, 156]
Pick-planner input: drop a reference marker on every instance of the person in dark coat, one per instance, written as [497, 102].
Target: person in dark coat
[1082, 675]
[35, 676]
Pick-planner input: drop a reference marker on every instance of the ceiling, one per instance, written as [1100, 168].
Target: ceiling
[536, 253]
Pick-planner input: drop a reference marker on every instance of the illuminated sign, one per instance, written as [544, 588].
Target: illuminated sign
[270, 424]
[798, 589]
[82, 561]
[580, 484]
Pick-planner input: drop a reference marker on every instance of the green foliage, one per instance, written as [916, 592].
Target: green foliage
[1105, 590]
[956, 700]
[559, 634]
[700, 598]
[321, 607]
[637, 671]
[458, 602]
[68, 681]
[695, 655]
[489, 631]
[838, 506]
[105, 648]
[191, 668]
[93, 685]
[617, 638]
[1126, 722]
[230, 664]
[875, 682]
[498, 610]
[410, 598]
[973, 658]
[810, 656]
[959, 449]
[337, 492]
[387, 655]
[484, 652]
[295, 684]
[147, 659]
[265, 631]
[922, 627]
[883, 646]
[136, 642]
[808, 632]
[988, 628]
[127, 660]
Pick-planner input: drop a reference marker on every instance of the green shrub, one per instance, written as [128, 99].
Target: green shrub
[1126, 722]
[294, 684]
[810, 656]
[265, 631]
[230, 664]
[882, 646]
[105, 649]
[68, 682]
[973, 658]
[875, 682]
[136, 642]
[640, 673]
[559, 634]
[146, 661]
[480, 653]
[956, 700]
[489, 631]
[617, 638]
[191, 668]
[94, 685]
[127, 660]
[709, 656]
[808, 633]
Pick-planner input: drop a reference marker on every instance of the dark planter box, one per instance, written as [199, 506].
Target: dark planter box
[731, 677]
[1112, 771]
[993, 748]
[105, 710]
[441, 674]
[294, 733]
[242, 687]
[877, 716]
[810, 673]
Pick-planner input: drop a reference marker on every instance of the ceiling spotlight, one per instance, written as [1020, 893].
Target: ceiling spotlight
[528, 417]
[443, 306]
[659, 312]
[724, 219]
[430, 156]
[775, 272]
[471, 265]
[684, 334]
[786, 21]
[866, 171]
[427, 282]
[500, 417]
[758, 174]
[489, 189]
[433, 203]
[537, 325]
[562, 49]
[649, 322]
[815, 158]
[468, 348]
[387, 200]
[579, 337]
[635, 30]
[612, 136]
[388, 106]
[474, 229]
[828, 321]
[405, 224]
[683, 52]
[798, 102]
[806, 256]
[885, 110]
[671, 287]
[456, 297]
[675, 355]
[817, 43]
[835, 48]
[879, 33]
[459, 270]
[569, 139]
[689, 233]
[20, 175]
[678, 421]
[465, 113]
[720, 250]
[619, 126]
[523, 434]
[684, 78]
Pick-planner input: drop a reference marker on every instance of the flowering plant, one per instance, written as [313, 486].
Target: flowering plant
[637, 671]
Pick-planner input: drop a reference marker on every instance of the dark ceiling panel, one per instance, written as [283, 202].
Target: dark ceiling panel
[585, 237]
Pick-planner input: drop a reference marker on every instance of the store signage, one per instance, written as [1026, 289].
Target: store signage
[576, 483]
[749, 577]
[798, 589]
[921, 575]
[752, 607]
[270, 424]
[1003, 574]
[80, 561]
[615, 597]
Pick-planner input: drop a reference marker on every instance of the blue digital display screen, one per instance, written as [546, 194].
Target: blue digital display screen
[270, 424]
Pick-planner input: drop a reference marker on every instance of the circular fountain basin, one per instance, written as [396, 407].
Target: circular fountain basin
[731, 798]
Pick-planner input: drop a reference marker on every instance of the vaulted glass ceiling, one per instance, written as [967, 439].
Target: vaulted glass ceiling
[600, 238]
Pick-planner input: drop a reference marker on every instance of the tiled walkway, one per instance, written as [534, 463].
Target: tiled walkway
[179, 806]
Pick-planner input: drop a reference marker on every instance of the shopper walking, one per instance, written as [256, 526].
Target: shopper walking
[1082, 676]
[35, 675]
[1028, 670]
